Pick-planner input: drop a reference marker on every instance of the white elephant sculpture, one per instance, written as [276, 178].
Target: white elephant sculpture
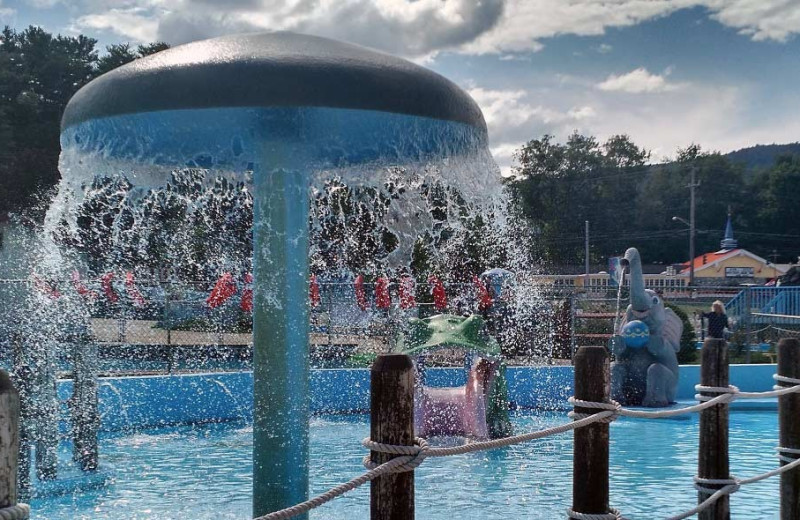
[646, 376]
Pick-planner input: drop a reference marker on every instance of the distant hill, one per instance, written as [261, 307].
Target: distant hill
[762, 155]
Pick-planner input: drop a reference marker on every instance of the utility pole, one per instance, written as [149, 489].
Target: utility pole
[692, 185]
[587, 247]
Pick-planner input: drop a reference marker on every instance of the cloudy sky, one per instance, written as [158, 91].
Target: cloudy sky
[721, 73]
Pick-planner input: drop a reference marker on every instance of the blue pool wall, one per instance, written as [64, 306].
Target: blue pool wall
[154, 401]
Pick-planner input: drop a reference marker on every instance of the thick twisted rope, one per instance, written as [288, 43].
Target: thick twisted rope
[612, 406]
[304, 507]
[17, 512]
[612, 514]
[408, 458]
[734, 484]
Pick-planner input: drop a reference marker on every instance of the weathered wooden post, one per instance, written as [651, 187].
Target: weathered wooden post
[590, 486]
[392, 422]
[9, 441]
[789, 420]
[713, 455]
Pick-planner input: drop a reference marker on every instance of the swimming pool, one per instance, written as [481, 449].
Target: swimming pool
[204, 473]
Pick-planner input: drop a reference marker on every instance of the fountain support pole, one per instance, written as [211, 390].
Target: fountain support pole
[280, 341]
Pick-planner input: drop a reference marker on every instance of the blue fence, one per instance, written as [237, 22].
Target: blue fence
[155, 401]
[782, 303]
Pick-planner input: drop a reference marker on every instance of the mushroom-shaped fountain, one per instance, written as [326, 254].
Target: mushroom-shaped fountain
[281, 107]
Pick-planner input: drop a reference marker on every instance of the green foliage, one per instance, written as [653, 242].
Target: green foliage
[122, 53]
[629, 202]
[192, 228]
[39, 73]
[361, 360]
[688, 352]
[560, 186]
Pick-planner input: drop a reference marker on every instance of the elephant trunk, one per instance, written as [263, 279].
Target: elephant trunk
[639, 299]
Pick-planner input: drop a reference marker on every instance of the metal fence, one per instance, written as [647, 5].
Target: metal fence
[164, 327]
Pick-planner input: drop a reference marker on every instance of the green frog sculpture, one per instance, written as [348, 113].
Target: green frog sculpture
[479, 408]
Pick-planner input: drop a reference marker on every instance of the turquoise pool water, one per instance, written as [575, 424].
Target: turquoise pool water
[204, 473]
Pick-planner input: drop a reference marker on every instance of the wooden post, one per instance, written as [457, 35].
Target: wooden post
[392, 422]
[788, 413]
[713, 455]
[9, 441]
[590, 486]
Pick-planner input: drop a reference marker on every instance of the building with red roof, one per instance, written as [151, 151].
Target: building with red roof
[732, 265]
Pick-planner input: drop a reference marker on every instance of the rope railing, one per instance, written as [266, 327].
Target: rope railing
[409, 457]
[15, 512]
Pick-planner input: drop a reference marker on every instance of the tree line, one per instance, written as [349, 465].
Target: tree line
[630, 202]
[39, 73]
[557, 186]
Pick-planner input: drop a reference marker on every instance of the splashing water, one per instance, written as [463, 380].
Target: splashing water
[620, 285]
[175, 213]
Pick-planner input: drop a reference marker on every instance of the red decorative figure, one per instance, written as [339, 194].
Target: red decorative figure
[133, 291]
[222, 291]
[313, 291]
[361, 295]
[484, 298]
[46, 287]
[247, 294]
[439, 293]
[405, 292]
[382, 298]
[108, 289]
[81, 288]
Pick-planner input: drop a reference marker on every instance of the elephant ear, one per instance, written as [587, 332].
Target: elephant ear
[672, 329]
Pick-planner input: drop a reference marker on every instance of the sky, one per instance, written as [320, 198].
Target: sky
[720, 73]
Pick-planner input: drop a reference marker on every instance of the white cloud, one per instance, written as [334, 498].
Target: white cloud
[604, 48]
[6, 12]
[760, 19]
[513, 120]
[718, 116]
[581, 113]
[636, 82]
[413, 28]
[526, 22]
[416, 28]
[133, 23]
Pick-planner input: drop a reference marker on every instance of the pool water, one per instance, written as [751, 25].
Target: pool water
[204, 472]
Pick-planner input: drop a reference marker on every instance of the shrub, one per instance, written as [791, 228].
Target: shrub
[688, 352]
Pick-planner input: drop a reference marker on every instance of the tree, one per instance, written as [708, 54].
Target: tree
[122, 53]
[559, 186]
[39, 73]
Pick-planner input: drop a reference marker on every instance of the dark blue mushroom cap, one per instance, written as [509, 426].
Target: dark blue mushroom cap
[276, 69]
